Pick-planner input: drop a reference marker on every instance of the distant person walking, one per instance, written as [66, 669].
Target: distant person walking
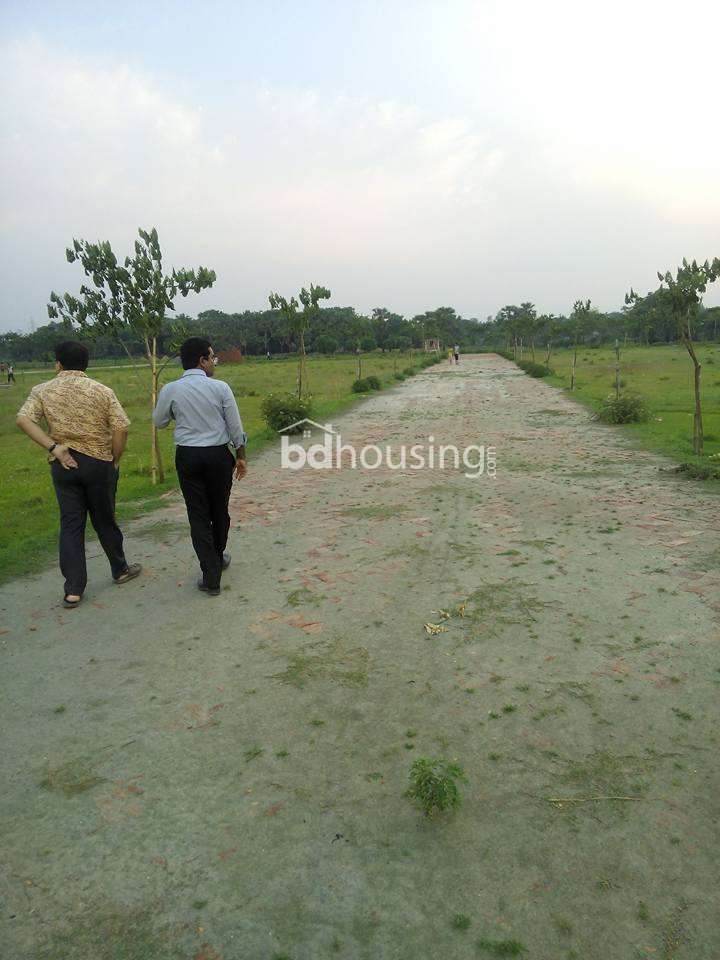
[456, 352]
[11, 374]
[87, 436]
[206, 420]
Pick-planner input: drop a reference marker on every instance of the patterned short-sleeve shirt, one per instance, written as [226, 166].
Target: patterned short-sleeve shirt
[79, 411]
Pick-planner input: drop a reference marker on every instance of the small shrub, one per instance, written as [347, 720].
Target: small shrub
[626, 408]
[538, 370]
[399, 376]
[282, 410]
[409, 371]
[360, 386]
[373, 382]
[700, 471]
[432, 785]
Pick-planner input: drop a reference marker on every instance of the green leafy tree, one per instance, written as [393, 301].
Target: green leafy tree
[682, 294]
[579, 321]
[509, 325]
[134, 296]
[298, 322]
[548, 328]
[527, 326]
[326, 344]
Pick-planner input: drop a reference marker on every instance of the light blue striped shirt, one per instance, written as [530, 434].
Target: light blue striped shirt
[204, 410]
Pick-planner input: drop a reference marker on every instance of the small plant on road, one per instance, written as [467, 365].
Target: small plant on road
[433, 785]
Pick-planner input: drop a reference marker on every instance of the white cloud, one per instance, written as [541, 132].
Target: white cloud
[307, 182]
[592, 163]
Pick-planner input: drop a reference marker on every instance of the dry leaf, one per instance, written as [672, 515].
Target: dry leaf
[432, 629]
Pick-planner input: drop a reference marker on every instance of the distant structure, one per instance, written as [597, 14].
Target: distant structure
[431, 346]
[231, 355]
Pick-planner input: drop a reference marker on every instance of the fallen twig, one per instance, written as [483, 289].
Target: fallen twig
[586, 799]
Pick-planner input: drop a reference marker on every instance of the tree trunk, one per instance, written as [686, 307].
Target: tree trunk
[698, 440]
[547, 356]
[302, 367]
[532, 348]
[572, 372]
[157, 473]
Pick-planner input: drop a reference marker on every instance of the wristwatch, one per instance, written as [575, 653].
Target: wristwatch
[50, 449]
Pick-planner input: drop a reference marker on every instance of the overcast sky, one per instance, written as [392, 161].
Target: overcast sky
[405, 154]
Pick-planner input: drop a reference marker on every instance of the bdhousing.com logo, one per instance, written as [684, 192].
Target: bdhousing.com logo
[332, 454]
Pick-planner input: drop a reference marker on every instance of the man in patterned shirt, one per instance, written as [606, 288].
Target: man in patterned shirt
[87, 436]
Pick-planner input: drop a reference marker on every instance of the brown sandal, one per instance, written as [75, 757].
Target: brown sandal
[132, 571]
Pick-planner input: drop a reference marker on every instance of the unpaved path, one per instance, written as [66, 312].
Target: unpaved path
[203, 779]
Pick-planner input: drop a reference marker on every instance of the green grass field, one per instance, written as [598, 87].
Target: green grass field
[27, 500]
[664, 376]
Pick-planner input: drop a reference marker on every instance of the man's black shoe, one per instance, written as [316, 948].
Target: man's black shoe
[210, 591]
[226, 561]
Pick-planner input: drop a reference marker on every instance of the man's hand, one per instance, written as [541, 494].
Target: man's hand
[64, 457]
[240, 468]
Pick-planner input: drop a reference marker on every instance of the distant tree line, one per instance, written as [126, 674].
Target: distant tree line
[257, 332]
[648, 320]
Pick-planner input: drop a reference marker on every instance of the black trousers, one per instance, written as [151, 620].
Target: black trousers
[205, 475]
[89, 488]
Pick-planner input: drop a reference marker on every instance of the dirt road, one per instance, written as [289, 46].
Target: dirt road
[223, 779]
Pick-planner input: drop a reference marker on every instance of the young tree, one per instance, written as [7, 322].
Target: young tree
[548, 329]
[682, 295]
[508, 322]
[298, 322]
[528, 326]
[132, 297]
[578, 324]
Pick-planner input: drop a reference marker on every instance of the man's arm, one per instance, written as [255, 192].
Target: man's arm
[118, 422]
[162, 414]
[118, 443]
[36, 433]
[238, 437]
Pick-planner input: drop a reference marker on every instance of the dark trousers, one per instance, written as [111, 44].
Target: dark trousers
[89, 488]
[205, 475]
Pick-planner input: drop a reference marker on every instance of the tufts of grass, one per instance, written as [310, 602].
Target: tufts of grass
[501, 948]
[461, 922]
[326, 660]
[73, 777]
[302, 595]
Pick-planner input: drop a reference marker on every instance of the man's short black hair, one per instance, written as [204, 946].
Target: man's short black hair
[192, 350]
[72, 355]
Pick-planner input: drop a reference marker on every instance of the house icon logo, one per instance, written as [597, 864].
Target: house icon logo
[306, 426]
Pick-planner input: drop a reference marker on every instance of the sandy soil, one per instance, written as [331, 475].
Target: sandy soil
[224, 779]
